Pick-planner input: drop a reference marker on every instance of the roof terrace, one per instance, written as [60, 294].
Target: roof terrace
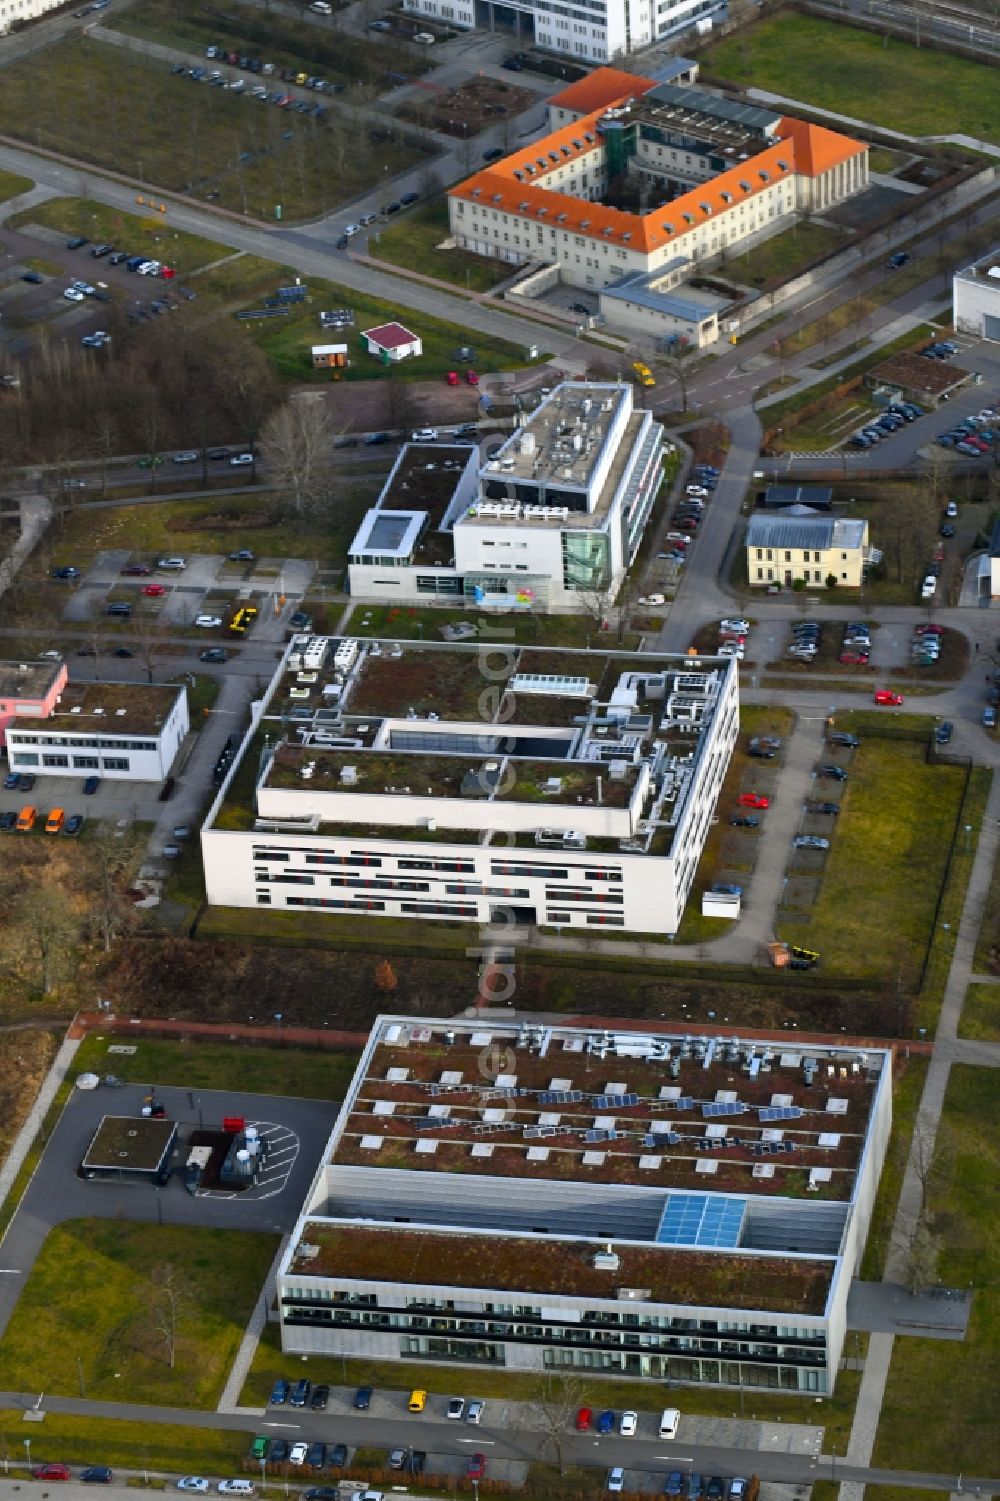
[111, 708]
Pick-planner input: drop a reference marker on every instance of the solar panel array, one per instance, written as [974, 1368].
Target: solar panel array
[560, 1096]
[614, 1101]
[662, 1139]
[701, 1220]
[717, 1108]
[600, 1135]
[779, 1113]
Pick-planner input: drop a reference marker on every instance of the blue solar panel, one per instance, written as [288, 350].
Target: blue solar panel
[779, 1112]
[701, 1220]
[722, 1107]
[613, 1101]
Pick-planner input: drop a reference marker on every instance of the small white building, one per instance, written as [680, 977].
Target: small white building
[549, 522]
[976, 298]
[123, 731]
[392, 342]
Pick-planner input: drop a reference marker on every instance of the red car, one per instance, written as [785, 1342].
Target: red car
[584, 1418]
[168, 273]
[52, 1472]
[854, 658]
[753, 800]
[452, 377]
[154, 590]
[136, 570]
[472, 378]
[886, 696]
[475, 1469]
[928, 630]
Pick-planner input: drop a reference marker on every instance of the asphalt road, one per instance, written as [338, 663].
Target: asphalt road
[56, 1193]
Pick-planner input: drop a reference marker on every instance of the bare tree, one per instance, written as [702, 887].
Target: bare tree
[558, 1396]
[44, 931]
[297, 445]
[169, 1304]
[922, 1258]
[150, 634]
[112, 868]
[675, 363]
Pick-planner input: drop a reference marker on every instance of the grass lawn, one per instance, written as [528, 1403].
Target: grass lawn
[89, 1305]
[128, 113]
[987, 956]
[939, 1410]
[138, 1446]
[412, 624]
[287, 341]
[201, 526]
[306, 1073]
[916, 91]
[413, 243]
[883, 160]
[782, 255]
[773, 413]
[12, 183]
[882, 877]
[276, 37]
[981, 1013]
[99, 221]
[269, 1364]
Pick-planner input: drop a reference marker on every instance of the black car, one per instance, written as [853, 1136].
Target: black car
[35, 277]
[407, 198]
[337, 1457]
[278, 1452]
[392, 208]
[319, 1398]
[763, 752]
[323, 1492]
[216, 453]
[86, 651]
[100, 251]
[944, 732]
[832, 808]
[7, 821]
[117, 257]
[841, 737]
[834, 773]
[214, 654]
[26, 782]
[122, 651]
[77, 242]
[715, 1490]
[363, 1398]
[280, 1389]
[581, 308]
[375, 438]
[94, 1474]
[895, 261]
[745, 821]
[316, 1455]
[946, 529]
[418, 1459]
[493, 154]
[342, 243]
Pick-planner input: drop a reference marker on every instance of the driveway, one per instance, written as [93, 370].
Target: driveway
[56, 1193]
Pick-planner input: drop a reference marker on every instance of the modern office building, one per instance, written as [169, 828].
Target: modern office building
[688, 1210]
[595, 32]
[550, 522]
[801, 544]
[484, 784]
[646, 186]
[125, 731]
[976, 298]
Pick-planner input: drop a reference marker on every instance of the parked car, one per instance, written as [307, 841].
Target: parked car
[136, 570]
[53, 1472]
[297, 1453]
[833, 773]
[281, 1390]
[989, 717]
[843, 737]
[456, 1408]
[208, 622]
[831, 808]
[629, 1424]
[475, 1468]
[736, 623]
[753, 800]
[193, 1483]
[321, 1394]
[944, 732]
[616, 1479]
[337, 1457]
[810, 842]
[745, 821]
[887, 696]
[96, 1475]
[363, 1398]
[72, 827]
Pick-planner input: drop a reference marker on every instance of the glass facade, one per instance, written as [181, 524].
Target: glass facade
[586, 561]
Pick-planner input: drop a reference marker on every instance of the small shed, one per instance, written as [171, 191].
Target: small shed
[329, 356]
[918, 378]
[135, 1149]
[391, 342]
[818, 497]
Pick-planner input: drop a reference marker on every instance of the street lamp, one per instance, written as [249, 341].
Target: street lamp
[27, 1453]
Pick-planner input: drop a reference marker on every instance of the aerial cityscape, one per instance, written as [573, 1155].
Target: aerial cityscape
[500, 814]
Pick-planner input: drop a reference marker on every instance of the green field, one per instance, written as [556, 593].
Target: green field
[306, 1073]
[914, 90]
[981, 1013]
[287, 342]
[12, 183]
[408, 623]
[413, 244]
[783, 254]
[137, 1446]
[99, 221]
[889, 851]
[939, 1410]
[91, 1311]
[128, 113]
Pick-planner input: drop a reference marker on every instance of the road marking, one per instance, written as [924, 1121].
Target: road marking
[479, 1442]
[11, 1271]
[282, 1425]
[681, 1459]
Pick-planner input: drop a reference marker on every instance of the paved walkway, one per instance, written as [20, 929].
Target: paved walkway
[240, 1368]
[947, 1050]
[36, 1115]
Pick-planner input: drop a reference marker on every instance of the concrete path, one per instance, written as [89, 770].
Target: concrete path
[240, 1369]
[36, 1115]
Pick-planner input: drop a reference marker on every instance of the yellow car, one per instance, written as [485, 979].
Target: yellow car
[418, 1400]
[646, 380]
[640, 368]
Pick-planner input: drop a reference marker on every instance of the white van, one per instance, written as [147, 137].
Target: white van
[669, 1420]
[236, 1488]
[321, 8]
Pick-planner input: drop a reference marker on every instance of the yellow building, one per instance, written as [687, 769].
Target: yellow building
[810, 547]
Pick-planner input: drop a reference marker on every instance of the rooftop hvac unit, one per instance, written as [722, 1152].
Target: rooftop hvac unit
[349, 776]
[618, 771]
[606, 1261]
[527, 443]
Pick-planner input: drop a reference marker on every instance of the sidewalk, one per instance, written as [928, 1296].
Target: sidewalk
[36, 1115]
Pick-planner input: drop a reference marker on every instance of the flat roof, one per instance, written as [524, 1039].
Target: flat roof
[919, 373]
[639, 287]
[638, 1121]
[28, 680]
[564, 437]
[110, 708]
[532, 1265]
[125, 1143]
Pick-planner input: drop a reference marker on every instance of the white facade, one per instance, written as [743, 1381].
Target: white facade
[976, 298]
[605, 831]
[552, 520]
[13, 12]
[342, 1289]
[125, 732]
[595, 33]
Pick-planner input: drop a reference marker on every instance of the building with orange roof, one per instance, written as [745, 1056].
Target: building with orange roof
[650, 182]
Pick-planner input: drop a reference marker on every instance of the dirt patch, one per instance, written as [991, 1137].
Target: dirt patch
[25, 1057]
[467, 108]
[224, 521]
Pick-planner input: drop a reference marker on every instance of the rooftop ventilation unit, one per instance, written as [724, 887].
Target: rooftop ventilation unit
[607, 1260]
[349, 776]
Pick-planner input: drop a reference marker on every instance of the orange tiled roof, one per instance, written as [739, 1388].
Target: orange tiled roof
[507, 185]
[603, 87]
